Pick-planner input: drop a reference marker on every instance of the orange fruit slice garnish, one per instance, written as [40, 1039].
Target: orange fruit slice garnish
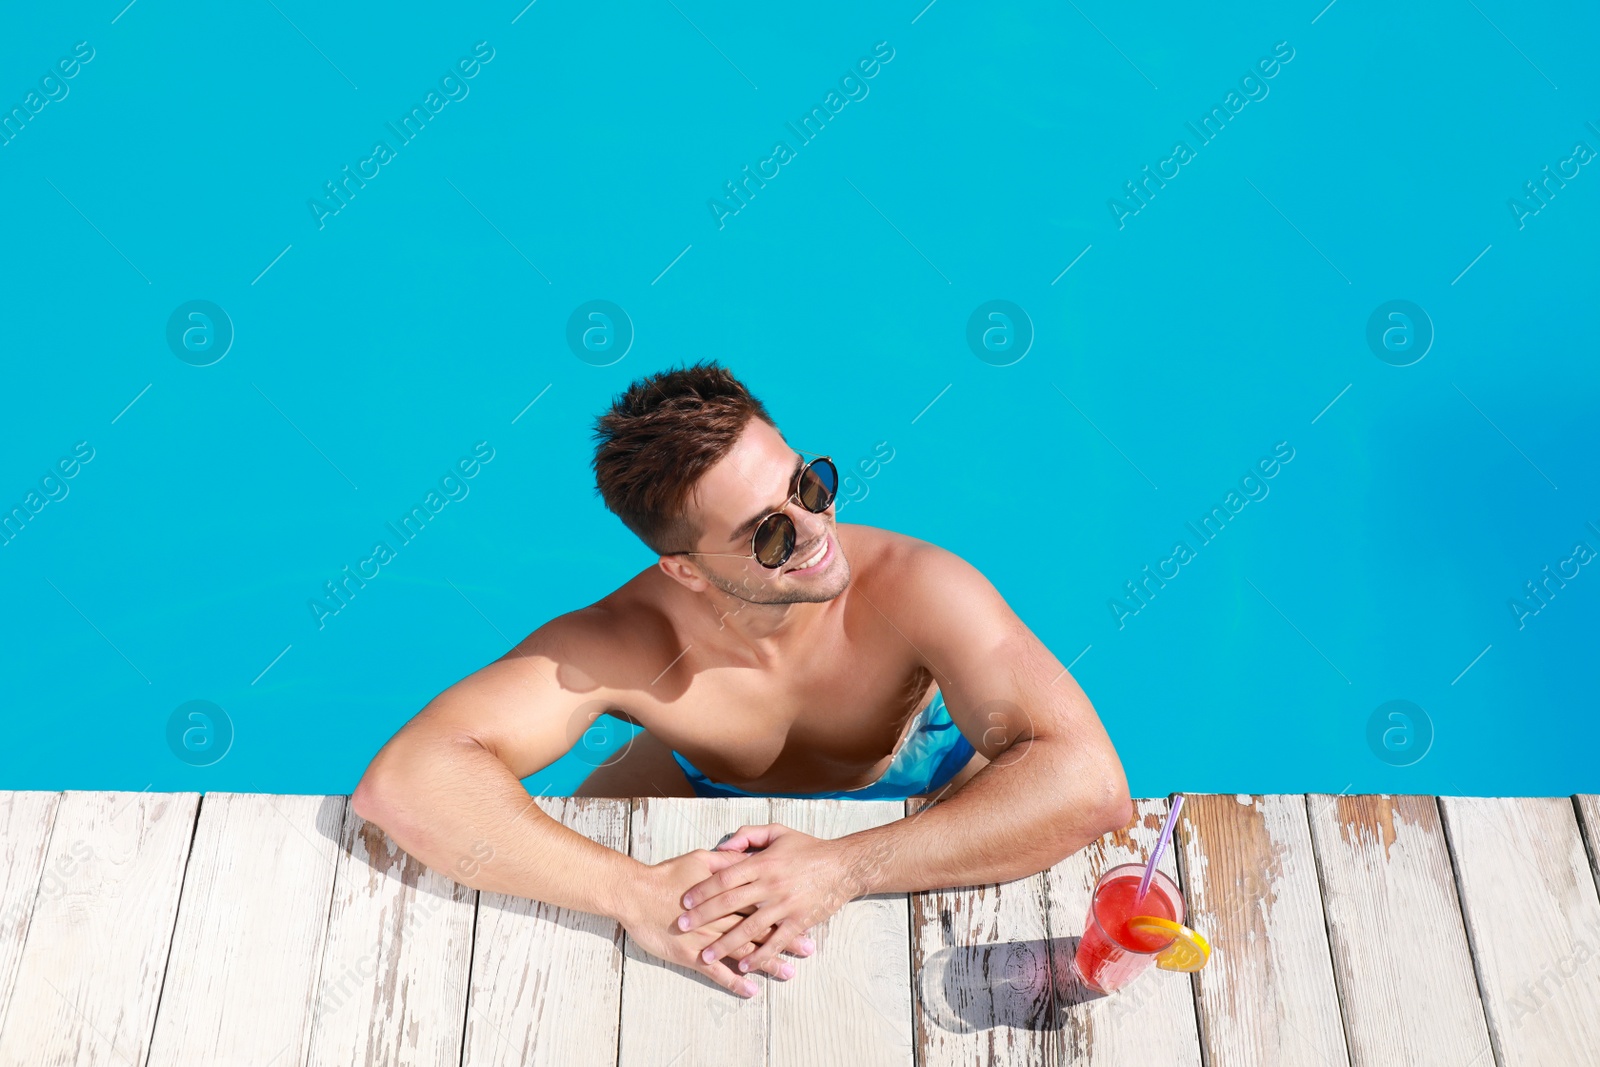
[1188, 952]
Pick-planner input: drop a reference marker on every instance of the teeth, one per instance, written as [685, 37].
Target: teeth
[814, 556]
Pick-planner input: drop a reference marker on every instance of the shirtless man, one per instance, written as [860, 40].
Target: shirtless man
[769, 651]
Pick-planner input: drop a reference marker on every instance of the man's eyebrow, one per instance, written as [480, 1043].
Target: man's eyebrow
[750, 523]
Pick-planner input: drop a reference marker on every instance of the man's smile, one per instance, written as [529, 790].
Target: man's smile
[819, 556]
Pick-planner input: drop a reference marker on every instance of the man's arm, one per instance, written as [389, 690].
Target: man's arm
[1054, 782]
[448, 789]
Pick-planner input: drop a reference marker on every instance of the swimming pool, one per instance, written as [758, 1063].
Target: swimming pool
[1371, 273]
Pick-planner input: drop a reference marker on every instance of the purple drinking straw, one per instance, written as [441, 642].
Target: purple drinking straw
[1161, 846]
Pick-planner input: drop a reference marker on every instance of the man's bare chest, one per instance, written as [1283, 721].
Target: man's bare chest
[826, 723]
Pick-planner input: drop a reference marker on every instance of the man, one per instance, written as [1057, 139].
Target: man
[769, 651]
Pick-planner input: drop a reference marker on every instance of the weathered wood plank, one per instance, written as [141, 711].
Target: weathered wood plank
[981, 973]
[88, 982]
[1151, 1020]
[1533, 916]
[25, 822]
[1589, 821]
[393, 982]
[671, 1014]
[850, 1002]
[1395, 927]
[1267, 996]
[250, 932]
[547, 981]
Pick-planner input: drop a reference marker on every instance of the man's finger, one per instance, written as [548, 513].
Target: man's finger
[718, 926]
[752, 837]
[719, 860]
[729, 877]
[722, 925]
[765, 956]
[737, 984]
[782, 969]
[729, 903]
[800, 947]
[748, 930]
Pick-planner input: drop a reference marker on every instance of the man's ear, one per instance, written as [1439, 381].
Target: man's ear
[682, 572]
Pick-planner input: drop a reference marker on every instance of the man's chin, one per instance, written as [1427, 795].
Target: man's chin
[816, 590]
[820, 596]
[828, 586]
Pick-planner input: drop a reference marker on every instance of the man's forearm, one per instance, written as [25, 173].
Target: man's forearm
[1027, 811]
[460, 811]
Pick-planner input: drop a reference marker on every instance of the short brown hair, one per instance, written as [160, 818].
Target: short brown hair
[656, 441]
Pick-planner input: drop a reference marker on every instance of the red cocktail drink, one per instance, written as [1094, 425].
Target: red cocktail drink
[1110, 955]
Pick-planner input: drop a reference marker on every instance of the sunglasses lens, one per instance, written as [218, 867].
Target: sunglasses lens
[774, 541]
[818, 482]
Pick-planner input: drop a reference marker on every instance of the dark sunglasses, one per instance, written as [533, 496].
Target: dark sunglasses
[773, 541]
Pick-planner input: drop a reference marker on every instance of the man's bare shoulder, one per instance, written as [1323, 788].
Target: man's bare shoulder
[896, 563]
[607, 647]
[923, 587]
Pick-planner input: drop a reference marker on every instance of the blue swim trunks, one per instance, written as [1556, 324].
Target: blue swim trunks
[933, 753]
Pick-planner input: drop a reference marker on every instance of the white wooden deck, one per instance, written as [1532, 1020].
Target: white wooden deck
[171, 930]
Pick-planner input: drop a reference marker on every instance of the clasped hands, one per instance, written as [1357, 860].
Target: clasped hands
[752, 897]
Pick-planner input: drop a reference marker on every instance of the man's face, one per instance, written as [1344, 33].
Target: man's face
[752, 481]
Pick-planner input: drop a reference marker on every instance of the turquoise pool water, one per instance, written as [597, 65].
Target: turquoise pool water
[1370, 270]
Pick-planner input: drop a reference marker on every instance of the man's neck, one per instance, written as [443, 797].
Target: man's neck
[764, 630]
